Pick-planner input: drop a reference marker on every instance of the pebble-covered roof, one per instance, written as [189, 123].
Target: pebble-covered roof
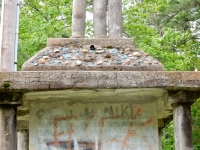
[92, 58]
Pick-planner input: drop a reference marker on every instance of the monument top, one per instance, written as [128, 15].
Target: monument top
[92, 55]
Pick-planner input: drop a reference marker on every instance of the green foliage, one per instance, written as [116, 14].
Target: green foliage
[168, 137]
[148, 23]
[39, 20]
[196, 124]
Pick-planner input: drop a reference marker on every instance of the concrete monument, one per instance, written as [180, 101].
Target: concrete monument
[95, 94]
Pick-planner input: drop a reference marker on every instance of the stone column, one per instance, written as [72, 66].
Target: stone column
[99, 18]
[8, 133]
[22, 143]
[9, 17]
[8, 118]
[78, 18]
[182, 126]
[115, 18]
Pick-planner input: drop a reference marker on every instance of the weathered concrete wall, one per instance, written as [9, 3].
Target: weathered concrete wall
[113, 126]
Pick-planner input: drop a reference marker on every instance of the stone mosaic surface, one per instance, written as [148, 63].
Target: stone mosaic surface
[92, 58]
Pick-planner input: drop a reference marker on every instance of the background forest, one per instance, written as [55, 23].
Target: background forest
[166, 29]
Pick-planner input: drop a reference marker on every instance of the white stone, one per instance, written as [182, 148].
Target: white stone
[99, 62]
[66, 62]
[78, 63]
[85, 51]
[99, 51]
[46, 57]
[137, 54]
[56, 51]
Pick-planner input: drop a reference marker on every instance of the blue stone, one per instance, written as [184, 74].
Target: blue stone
[45, 54]
[123, 56]
[57, 61]
[39, 57]
[91, 64]
[50, 63]
[73, 51]
[67, 56]
[91, 51]
[119, 62]
[135, 64]
[113, 51]
[77, 54]
[35, 64]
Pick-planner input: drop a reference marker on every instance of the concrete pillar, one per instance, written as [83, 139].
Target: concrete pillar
[8, 133]
[78, 18]
[115, 18]
[182, 126]
[9, 16]
[22, 143]
[99, 18]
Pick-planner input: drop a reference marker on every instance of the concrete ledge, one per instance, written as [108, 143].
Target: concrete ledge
[54, 42]
[52, 80]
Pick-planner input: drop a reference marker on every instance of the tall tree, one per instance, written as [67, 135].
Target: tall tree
[149, 22]
[39, 20]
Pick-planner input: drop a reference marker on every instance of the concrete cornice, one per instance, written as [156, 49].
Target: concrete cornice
[52, 80]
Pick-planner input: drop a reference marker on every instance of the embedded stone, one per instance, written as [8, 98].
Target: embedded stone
[56, 51]
[99, 51]
[61, 58]
[67, 56]
[46, 57]
[145, 61]
[100, 62]
[123, 56]
[41, 61]
[127, 61]
[57, 61]
[54, 55]
[78, 63]
[66, 62]
[107, 56]
[74, 58]
[127, 51]
[99, 48]
[85, 51]
[129, 55]
[113, 51]
[137, 54]
[146, 54]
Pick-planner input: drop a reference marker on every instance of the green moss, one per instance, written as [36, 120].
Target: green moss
[110, 47]
[5, 85]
